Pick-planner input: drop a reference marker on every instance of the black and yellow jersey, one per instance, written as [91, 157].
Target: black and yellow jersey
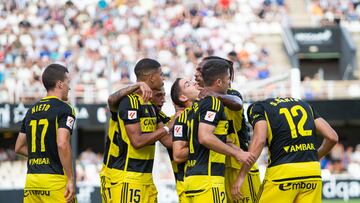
[40, 125]
[136, 163]
[181, 130]
[177, 168]
[204, 166]
[238, 130]
[291, 138]
[110, 167]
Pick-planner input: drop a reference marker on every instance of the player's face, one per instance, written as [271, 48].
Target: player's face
[65, 87]
[189, 89]
[198, 76]
[159, 98]
[157, 80]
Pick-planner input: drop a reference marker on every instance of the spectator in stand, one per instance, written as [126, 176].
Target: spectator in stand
[88, 157]
[92, 35]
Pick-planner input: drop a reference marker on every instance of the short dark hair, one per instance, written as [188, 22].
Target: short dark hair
[228, 61]
[145, 67]
[175, 93]
[53, 73]
[214, 69]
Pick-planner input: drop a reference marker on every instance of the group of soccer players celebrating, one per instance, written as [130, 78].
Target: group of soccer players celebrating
[207, 138]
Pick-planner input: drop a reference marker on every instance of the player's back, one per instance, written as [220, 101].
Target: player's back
[291, 138]
[40, 125]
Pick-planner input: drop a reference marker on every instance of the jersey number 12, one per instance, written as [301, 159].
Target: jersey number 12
[300, 126]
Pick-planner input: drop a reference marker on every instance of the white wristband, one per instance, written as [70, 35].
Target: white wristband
[167, 129]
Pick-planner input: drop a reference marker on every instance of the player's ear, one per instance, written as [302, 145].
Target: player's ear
[218, 82]
[183, 98]
[59, 84]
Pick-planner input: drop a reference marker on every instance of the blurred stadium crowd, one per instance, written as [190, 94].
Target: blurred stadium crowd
[85, 33]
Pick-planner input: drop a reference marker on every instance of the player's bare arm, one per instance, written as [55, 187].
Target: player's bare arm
[64, 148]
[330, 136]
[21, 147]
[255, 148]
[233, 102]
[180, 151]
[114, 99]
[208, 139]
[139, 139]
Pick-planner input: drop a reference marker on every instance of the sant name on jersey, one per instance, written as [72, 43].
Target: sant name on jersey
[277, 101]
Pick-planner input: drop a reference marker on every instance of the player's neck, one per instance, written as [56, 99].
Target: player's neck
[212, 89]
[54, 93]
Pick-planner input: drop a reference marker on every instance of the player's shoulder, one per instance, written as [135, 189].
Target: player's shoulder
[184, 115]
[130, 100]
[210, 103]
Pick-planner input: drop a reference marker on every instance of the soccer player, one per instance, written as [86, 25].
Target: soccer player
[183, 94]
[111, 172]
[139, 128]
[289, 127]
[239, 134]
[45, 139]
[208, 127]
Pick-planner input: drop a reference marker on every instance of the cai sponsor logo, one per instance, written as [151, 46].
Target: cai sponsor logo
[36, 192]
[296, 186]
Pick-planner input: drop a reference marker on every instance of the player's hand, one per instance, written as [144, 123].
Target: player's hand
[235, 188]
[245, 157]
[146, 91]
[69, 191]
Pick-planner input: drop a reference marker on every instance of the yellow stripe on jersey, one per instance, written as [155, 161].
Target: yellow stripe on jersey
[269, 136]
[190, 125]
[213, 103]
[131, 101]
[45, 181]
[218, 104]
[294, 172]
[269, 133]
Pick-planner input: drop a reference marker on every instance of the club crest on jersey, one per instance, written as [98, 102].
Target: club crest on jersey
[70, 122]
[178, 131]
[132, 115]
[210, 116]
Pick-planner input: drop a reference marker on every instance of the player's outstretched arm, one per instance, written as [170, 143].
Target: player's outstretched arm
[21, 147]
[180, 151]
[233, 102]
[114, 99]
[209, 140]
[255, 148]
[64, 149]
[329, 134]
[139, 140]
